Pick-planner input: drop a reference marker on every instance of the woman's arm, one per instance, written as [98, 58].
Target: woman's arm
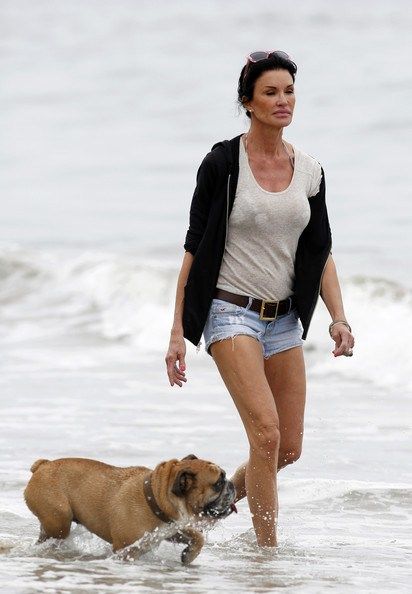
[332, 296]
[177, 346]
[206, 180]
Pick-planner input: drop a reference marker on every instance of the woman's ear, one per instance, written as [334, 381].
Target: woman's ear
[245, 103]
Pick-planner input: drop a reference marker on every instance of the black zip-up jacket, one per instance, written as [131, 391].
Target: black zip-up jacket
[210, 209]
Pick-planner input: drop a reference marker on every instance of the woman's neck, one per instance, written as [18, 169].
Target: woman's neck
[266, 140]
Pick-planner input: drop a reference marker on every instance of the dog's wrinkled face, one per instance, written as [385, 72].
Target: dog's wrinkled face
[204, 488]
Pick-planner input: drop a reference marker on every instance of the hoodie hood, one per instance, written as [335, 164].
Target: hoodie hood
[230, 150]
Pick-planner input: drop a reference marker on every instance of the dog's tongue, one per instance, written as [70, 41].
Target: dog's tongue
[233, 508]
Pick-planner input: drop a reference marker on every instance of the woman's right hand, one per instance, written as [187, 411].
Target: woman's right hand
[176, 352]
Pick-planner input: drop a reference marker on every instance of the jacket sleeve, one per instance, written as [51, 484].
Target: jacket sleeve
[200, 206]
[317, 234]
[311, 255]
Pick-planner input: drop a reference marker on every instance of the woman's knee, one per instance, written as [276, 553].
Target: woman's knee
[264, 440]
[289, 455]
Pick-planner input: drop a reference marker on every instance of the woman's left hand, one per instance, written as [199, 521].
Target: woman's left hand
[344, 340]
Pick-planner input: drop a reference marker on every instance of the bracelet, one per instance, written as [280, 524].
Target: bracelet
[344, 322]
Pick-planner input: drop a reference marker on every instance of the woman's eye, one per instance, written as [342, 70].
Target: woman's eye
[289, 92]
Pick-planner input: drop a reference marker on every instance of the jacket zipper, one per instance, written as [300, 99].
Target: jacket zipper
[227, 209]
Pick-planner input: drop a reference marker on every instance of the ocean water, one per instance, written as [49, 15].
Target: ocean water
[106, 109]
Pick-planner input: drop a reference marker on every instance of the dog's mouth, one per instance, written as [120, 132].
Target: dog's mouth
[222, 506]
[214, 510]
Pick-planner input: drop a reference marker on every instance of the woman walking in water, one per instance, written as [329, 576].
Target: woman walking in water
[257, 256]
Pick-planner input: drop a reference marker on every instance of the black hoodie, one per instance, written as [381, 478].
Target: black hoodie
[210, 209]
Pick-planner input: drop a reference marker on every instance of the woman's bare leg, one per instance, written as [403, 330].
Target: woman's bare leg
[285, 373]
[241, 365]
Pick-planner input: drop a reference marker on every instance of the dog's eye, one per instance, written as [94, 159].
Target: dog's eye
[218, 486]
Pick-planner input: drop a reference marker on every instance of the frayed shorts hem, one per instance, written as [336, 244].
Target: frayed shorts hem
[279, 349]
[226, 336]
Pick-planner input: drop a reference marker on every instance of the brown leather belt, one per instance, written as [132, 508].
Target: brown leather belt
[267, 310]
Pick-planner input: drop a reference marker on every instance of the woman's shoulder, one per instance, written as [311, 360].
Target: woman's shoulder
[308, 162]
[222, 155]
[311, 167]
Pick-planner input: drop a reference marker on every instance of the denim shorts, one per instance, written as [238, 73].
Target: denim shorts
[226, 320]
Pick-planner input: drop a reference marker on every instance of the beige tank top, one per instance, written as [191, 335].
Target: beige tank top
[264, 230]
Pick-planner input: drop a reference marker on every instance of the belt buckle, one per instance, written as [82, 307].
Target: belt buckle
[262, 311]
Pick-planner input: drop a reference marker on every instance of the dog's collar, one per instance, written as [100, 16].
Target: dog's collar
[151, 501]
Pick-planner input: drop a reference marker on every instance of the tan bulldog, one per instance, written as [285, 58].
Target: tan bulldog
[121, 505]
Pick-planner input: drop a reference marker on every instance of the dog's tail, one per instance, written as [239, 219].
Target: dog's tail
[38, 463]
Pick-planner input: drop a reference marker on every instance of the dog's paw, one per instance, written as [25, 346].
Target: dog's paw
[188, 555]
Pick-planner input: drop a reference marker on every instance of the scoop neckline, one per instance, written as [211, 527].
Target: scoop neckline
[295, 154]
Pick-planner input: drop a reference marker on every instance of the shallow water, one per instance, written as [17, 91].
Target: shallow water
[344, 519]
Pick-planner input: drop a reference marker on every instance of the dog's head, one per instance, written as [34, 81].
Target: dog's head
[201, 486]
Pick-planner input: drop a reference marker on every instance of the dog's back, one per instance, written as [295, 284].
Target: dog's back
[77, 490]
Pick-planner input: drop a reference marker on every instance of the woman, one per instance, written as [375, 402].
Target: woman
[257, 257]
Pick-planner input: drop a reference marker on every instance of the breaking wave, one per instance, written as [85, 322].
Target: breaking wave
[124, 297]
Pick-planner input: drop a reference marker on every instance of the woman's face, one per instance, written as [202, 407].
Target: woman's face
[273, 99]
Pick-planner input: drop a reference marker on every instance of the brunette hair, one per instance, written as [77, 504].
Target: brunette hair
[252, 70]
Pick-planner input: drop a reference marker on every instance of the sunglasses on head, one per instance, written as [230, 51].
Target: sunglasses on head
[258, 56]
[261, 55]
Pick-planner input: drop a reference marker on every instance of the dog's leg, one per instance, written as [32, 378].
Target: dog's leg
[179, 537]
[55, 528]
[130, 553]
[195, 541]
[42, 536]
[56, 523]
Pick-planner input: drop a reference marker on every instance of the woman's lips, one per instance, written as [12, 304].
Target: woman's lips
[282, 113]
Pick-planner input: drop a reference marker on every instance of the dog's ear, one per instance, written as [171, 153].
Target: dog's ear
[190, 457]
[183, 482]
